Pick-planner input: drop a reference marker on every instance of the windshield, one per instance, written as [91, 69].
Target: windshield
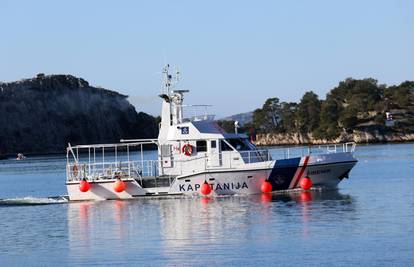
[238, 143]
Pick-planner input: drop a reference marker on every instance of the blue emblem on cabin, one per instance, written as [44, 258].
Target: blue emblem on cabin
[185, 130]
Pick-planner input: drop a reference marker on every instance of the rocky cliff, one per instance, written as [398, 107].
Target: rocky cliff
[43, 114]
[356, 136]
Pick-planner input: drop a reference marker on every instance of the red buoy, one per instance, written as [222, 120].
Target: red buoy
[205, 200]
[305, 196]
[84, 186]
[119, 186]
[266, 198]
[205, 189]
[266, 187]
[306, 183]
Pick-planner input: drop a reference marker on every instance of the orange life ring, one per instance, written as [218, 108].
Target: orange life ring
[188, 149]
[75, 170]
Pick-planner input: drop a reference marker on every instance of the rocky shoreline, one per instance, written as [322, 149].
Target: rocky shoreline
[360, 137]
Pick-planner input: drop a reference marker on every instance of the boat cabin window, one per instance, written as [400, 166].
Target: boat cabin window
[213, 144]
[225, 146]
[201, 146]
[238, 143]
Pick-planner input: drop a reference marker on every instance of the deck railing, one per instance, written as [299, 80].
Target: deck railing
[122, 167]
[300, 151]
[196, 113]
[220, 161]
[111, 170]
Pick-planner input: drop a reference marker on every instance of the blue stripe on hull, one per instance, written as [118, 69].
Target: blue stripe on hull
[283, 173]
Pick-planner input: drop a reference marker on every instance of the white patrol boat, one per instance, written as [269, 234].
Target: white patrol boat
[196, 156]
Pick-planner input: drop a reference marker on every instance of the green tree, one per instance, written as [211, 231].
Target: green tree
[348, 118]
[288, 117]
[351, 104]
[361, 95]
[328, 126]
[308, 113]
[399, 96]
[267, 118]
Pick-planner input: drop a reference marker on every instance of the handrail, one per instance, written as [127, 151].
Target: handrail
[195, 113]
[154, 141]
[124, 144]
[109, 170]
[295, 151]
[226, 160]
[231, 153]
[144, 168]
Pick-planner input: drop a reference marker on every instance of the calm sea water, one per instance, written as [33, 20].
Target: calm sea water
[369, 221]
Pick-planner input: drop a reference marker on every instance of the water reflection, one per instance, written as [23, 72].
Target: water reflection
[177, 227]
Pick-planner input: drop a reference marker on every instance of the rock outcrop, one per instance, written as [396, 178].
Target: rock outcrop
[43, 114]
[356, 136]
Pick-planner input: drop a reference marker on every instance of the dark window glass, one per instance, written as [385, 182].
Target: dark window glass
[201, 146]
[239, 144]
[225, 146]
[213, 144]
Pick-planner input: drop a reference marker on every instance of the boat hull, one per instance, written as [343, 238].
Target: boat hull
[325, 171]
[101, 190]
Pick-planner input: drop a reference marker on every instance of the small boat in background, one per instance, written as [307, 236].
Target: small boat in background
[20, 156]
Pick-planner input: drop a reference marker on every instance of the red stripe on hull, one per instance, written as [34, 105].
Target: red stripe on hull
[305, 163]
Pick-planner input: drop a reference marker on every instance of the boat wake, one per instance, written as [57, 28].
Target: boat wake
[31, 201]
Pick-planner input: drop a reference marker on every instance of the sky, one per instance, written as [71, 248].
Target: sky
[232, 54]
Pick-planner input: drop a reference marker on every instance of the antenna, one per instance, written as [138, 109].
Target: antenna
[236, 127]
[177, 75]
[169, 79]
